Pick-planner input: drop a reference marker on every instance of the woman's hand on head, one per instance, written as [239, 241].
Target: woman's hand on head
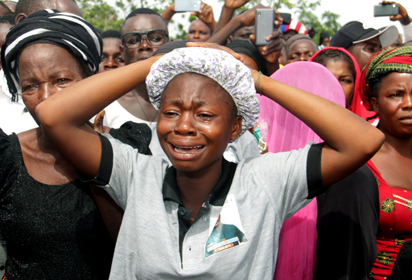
[213, 46]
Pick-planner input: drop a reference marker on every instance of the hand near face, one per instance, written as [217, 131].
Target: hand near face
[213, 46]
[270, 52]
[235, 4]
[205, 14]
[403, 16]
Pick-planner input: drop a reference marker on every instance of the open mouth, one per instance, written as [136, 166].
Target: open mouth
[407, 119]
[187, 149]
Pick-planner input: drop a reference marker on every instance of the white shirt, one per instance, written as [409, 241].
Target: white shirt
[13, 116]
[116, 115]
[407, 32]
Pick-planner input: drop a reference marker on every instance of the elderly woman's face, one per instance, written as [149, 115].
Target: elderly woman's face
[301, 50]
[394, 104]
[196, 122]
[44, 70]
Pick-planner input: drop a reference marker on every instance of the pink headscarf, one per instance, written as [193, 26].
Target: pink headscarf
[284, 132]
[356, 105]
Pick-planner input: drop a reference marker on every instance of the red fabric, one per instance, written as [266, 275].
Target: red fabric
[363, 86]
[399, 59]
[298, 25]
[357, 103]
[395, 225]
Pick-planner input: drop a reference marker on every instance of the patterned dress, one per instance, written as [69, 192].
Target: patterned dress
[395, 225]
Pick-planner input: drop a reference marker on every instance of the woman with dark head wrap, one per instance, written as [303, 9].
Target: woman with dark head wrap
[387, 86]
[49, 219]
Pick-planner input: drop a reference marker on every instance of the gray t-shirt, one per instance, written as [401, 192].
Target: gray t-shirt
[265, 191]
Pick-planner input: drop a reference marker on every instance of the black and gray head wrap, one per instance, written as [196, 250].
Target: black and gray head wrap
[65, 30]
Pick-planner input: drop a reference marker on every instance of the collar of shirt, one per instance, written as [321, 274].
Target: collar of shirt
[217, 198]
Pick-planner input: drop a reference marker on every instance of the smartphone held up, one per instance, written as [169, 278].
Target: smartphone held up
[264, 25]
[384, 10]
[187, 5]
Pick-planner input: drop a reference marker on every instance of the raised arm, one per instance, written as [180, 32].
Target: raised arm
[63, 116]
[227, 12]
[350, 141]
[169, 12]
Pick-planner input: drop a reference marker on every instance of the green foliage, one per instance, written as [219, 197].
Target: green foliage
[329, 19]
[100, 14]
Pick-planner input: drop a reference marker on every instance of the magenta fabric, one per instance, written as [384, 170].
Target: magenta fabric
[282, 131]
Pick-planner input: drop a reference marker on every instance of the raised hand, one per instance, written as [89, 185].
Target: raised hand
[205, 14]
[270, 52]
[403, 16]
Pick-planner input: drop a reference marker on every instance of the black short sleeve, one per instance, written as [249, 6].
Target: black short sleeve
[313, 171]
[106, 165]
[8, 158]
[137, 135]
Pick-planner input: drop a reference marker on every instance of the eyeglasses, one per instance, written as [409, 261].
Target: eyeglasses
[155, 37]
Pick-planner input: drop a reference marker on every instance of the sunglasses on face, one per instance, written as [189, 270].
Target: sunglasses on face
[155, 37]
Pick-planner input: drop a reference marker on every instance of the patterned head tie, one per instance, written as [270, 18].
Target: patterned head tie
[384, 62]
[65, 30]
[231, 74]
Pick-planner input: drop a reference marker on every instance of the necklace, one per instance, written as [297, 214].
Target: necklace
[141, 107]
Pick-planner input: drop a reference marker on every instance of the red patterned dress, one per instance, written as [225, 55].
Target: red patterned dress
[395, 225]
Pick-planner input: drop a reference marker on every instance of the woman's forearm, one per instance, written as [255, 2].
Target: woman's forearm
[351, 140]
[221, 36]
[92, 95]
[225, 17]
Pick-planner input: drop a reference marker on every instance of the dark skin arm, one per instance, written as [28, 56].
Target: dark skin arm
[205, 14]
[349, 141]
[169, 12]
[248, 19]
[83, 146]
[403, 16]
[227, 12]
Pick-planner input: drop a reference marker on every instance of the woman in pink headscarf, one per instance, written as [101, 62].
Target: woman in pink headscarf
[346, 70]
[284, 132]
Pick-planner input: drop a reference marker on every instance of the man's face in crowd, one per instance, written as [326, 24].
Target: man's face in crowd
[198, 31]
[141, 23]
[365, 50]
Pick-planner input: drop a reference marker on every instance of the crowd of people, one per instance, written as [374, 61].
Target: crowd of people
[126, 155]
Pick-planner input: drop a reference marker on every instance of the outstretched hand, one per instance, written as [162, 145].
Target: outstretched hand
[402, 16]
[213, 46]
[205, 14]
